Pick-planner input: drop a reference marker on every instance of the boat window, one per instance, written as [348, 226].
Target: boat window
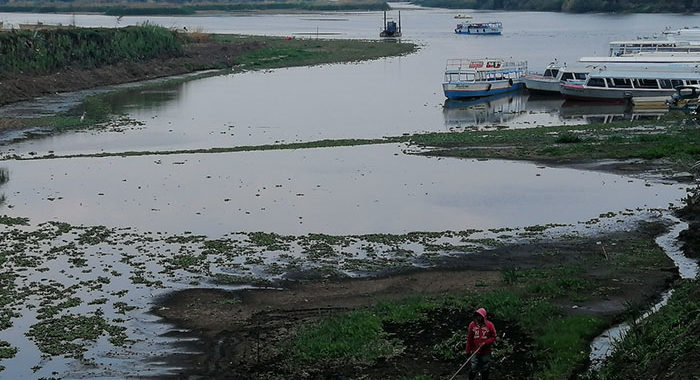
[596, 82]
[621, 83]
[676, 82]
[665, 83]
[580, 76]
[548, 73]
[567, 76]
[691, 82]
[645, 83]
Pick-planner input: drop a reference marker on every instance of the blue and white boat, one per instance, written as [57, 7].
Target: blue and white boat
[480, 28]
[471, 78]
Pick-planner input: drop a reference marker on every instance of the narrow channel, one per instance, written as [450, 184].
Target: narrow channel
[604, 344]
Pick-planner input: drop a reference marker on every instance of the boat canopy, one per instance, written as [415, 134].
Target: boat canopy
[645, 58]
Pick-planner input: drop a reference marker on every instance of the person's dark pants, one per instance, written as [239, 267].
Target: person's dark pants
[480, 364]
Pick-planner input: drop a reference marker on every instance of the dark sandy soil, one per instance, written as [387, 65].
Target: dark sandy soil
[240, 332]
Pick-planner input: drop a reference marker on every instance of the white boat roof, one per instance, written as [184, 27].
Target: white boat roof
[655, 42]
[646, 75]
[645, 58]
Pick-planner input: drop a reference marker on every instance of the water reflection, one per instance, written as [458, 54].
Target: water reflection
[521, 110]
[591, 112]
[478, 111]
[149, 99]
[4, 177]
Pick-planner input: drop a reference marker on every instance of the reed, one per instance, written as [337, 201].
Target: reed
[44, 51]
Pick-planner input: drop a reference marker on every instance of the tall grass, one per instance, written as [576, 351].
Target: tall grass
[44, 51]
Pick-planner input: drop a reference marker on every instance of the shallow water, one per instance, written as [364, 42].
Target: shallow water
[350, 190]
[386, 97]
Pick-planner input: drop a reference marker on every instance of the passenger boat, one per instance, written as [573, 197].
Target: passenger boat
[463, 16]
[470, 78]
[479, 28]
[686, 40]
[622, 85]
[553, 75]
[623, 48]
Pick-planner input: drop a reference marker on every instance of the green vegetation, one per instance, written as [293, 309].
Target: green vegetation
[356, 337]
[281, 52]
[133, 8]
[678, 141]
[44, 51]
[568, 5]
[64, 335]
[664, 343]
[542, 341]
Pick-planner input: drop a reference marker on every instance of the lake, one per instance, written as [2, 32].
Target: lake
[340, 191]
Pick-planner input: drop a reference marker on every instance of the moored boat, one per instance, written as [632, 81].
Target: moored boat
[484, 28]
[623, 85]
[470, 78]
[553, 75]
[391, 28]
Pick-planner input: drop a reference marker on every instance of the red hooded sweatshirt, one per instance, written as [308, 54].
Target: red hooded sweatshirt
[481, 335]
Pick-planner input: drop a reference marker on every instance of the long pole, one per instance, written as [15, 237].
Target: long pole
[465, 363]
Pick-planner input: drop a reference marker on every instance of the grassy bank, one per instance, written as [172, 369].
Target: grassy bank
[674, 138]
[134, 8]
[664, 345]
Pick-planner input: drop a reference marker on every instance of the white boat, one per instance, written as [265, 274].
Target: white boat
[553, 75]
[623, 85]
[470, 78]
[686, 40]
[486, 28]
[643, 58]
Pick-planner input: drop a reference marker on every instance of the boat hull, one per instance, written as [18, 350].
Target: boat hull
[541, 84]
[492, 33]
[478, 89]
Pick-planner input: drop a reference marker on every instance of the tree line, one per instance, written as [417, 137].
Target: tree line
[576, 6]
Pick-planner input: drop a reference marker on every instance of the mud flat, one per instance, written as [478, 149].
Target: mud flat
[251, 333]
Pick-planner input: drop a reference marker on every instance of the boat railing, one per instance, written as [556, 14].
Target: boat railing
[633, 50]
[466, 64]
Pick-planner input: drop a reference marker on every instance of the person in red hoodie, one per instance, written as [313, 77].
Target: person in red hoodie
[480, 337]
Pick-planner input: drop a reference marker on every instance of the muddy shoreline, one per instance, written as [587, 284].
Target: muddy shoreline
[239, 333]
[197, 56]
